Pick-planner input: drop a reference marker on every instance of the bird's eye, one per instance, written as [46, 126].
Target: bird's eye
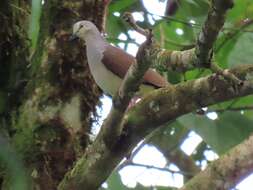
[81, 26]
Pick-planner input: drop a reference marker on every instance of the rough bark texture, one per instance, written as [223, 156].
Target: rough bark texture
[169, 144]
[155, 109]
[226, 172]
[50, 94]
[14, 53]
[48, 97]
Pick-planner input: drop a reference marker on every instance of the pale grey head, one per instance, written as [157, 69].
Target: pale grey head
[85, 28]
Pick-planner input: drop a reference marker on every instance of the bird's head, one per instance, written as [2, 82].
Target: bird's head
[82, 28]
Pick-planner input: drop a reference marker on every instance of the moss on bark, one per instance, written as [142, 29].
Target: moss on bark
[47, 95]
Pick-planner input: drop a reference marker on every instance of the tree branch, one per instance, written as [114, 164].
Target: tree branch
[128, 17]
[158, 107]
[210, 30]
[98, 156]
[122, 131]
[130, 84]
[131, 163]
[169, 145]
[231, 34]
[227, 171]
[187, 97]
[202, 55]
[184, 162]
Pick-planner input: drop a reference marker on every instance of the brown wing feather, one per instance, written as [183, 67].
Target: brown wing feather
[119, 62]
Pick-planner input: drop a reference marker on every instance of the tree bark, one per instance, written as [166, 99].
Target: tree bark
[49, 91]
[155, 109]
[47, 97]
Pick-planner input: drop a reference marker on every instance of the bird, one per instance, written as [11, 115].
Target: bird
[109, 64]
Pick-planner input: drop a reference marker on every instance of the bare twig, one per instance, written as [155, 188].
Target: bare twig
[131, 163]
[193, 25]
[128, 17]
[210, 30]
[173, 19]
[122, 41]
[135, 151]
[208, 35]
[228, 75]
[230, 35]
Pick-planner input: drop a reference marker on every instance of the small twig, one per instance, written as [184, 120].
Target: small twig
[195, 25]
[207, 37]
[226, 74]
[128, 17]
[173, 19]
[231, 34]
[209, 32]
[130, 158]
[136, 151]
[133, 154]
[116, 40]
[131, 163]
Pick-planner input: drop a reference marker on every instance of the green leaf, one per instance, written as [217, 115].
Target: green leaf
[192, 9]
[114, 181]
[238, 102]
[192, 2]
[115, 25]
[242, 53]
[17, 177]
[118, 6]
[166, 30]
[242, 9]
[233, 46]
[228, 130]
[224, 47]
[34, 24]
[198, 154]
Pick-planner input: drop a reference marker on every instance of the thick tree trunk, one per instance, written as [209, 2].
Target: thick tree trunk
[14, 55]
[47, 95]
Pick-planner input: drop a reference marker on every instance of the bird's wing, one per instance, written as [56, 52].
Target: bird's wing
[118, 61]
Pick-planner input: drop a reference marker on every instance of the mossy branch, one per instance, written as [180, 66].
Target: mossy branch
[227, 171]
[155, 109]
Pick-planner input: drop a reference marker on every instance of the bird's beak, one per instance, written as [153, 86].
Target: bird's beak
[73, 37]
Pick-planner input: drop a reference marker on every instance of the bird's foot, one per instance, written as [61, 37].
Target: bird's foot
[133, 102]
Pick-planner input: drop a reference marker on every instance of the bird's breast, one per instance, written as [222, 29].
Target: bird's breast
[105, 79]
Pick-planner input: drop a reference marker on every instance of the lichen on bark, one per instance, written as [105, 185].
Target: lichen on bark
[51, 94]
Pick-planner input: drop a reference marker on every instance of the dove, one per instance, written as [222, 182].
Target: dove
[109, 64]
